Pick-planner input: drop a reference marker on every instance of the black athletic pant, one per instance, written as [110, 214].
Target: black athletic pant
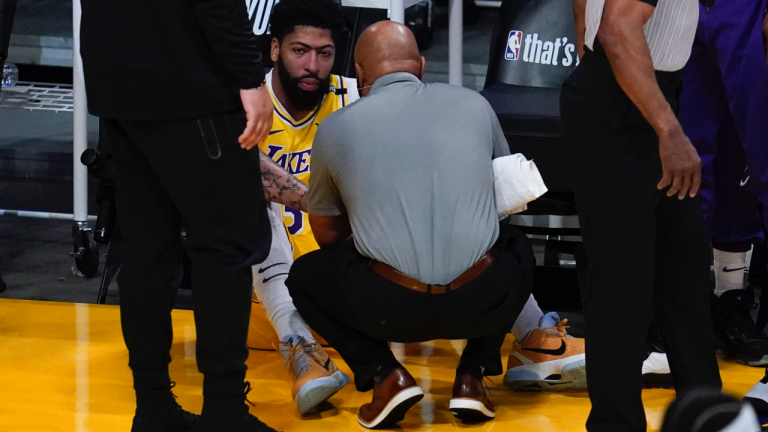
[645, 251]
[192, 170]
[357, 311]
[7, 14]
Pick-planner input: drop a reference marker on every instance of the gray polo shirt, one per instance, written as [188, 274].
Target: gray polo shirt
[411, 165]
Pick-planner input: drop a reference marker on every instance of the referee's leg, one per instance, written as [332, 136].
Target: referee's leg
[681, 293]
[615, 195]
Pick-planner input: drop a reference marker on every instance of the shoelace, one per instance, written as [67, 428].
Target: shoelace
[559, 328]
[298, 360]
[186, 414]
[173, 384]
[248, 389]
[487, 380]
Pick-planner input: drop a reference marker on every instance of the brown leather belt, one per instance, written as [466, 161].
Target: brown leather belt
[404, 281]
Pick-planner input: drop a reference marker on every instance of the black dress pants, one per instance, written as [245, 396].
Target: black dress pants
[7, 14]
[645, 251]
[192, 170]
[358, 312]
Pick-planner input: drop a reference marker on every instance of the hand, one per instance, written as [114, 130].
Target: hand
[680, 163]
[258, 110]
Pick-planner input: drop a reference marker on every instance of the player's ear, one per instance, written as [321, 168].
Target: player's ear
[274, 50]
[422, 67]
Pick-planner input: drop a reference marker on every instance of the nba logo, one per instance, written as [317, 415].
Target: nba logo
[513, 45]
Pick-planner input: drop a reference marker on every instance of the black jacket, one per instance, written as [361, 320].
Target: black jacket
[167, 59]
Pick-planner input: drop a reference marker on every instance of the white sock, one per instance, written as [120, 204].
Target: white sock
[287, 321]
[279, 308]
[269, 284]
[729, 271]
[528, 320]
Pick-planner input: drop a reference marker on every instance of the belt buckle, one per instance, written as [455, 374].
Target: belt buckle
[444, 289]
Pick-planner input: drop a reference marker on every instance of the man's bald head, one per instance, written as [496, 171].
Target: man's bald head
[384, 48]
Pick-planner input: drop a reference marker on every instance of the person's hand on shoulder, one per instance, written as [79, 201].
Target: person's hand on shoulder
[680, 163]
[258, 111]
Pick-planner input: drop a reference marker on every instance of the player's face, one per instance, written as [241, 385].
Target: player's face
[303, 62]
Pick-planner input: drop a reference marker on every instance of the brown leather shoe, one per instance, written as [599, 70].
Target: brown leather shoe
[392, 398]
[469, 401]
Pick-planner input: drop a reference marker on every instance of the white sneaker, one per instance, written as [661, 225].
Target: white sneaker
[758, 396]
[656, 372]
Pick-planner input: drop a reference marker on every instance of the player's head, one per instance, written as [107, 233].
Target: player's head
[304, 48]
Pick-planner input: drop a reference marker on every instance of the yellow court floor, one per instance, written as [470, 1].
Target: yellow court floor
[63, 367]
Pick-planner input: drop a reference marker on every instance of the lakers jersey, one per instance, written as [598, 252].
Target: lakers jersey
[290, 145]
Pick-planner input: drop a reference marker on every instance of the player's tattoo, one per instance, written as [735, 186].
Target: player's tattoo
[280, 186]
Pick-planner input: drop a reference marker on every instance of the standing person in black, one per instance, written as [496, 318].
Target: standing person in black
[636, 180]
[7, 13]
[179, 88]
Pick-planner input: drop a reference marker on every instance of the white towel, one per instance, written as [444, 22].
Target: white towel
[516, 182]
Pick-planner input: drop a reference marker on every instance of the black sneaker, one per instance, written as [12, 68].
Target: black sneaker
[2, 285]
[164, 416]
[229, 414]
[177, 420]
[239, 421]
[737, 333]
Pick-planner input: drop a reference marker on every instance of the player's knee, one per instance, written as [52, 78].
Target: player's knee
[304, 272]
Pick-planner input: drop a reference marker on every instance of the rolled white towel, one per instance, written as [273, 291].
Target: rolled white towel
[516, 182]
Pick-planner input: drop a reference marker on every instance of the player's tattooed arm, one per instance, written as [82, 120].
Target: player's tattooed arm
[280, 186]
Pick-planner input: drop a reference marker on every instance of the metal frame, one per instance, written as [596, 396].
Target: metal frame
[80, 114]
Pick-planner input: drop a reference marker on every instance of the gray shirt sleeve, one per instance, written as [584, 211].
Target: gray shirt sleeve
[500, 145]
[323, 198]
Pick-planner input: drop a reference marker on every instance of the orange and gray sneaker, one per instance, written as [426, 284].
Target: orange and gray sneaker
[315, 375]
[549, 359]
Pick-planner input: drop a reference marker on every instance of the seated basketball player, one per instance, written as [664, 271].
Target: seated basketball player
[408, 171]
[304, 93]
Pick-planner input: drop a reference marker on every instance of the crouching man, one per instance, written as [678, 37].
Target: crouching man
[408, 171]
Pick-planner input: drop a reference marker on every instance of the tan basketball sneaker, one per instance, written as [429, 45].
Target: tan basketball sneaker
[315, 375]
[549, 359]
